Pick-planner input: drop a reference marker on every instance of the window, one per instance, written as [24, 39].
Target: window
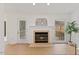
[22, 29]
[59, 29]
[5, 28]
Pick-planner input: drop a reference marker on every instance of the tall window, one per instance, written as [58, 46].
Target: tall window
[22, 27]
[4, 28]
[59, 29]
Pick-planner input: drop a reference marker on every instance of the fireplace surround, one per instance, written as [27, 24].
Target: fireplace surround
[42, 39]
[34, 29]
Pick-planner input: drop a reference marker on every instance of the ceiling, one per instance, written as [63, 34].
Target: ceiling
[40, 8]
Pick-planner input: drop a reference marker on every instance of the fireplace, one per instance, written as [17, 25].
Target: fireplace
[41, 37]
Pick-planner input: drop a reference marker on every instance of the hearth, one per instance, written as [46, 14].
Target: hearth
[41, 37]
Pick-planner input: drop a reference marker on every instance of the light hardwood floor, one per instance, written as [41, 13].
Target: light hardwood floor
[24, 49]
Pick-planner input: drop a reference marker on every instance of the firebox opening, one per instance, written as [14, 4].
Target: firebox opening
[41, 37]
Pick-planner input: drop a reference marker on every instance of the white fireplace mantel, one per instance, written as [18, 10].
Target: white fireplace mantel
[33, 29]
[41, 27]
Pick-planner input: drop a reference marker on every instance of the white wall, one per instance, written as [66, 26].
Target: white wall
[13, 25]
[1, 36]
[1, 30]
[75, 36]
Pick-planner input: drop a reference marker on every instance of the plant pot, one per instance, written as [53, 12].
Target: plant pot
[71, 43]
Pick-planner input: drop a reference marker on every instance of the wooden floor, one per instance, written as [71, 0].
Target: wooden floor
[24, 49]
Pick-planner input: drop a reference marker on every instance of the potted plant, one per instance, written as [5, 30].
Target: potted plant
[71, 27]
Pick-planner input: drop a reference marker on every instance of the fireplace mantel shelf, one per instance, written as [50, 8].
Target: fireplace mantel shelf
[41, 26]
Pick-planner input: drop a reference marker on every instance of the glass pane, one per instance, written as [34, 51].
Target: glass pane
[22, 29]
[59, 29]
[4, 28]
